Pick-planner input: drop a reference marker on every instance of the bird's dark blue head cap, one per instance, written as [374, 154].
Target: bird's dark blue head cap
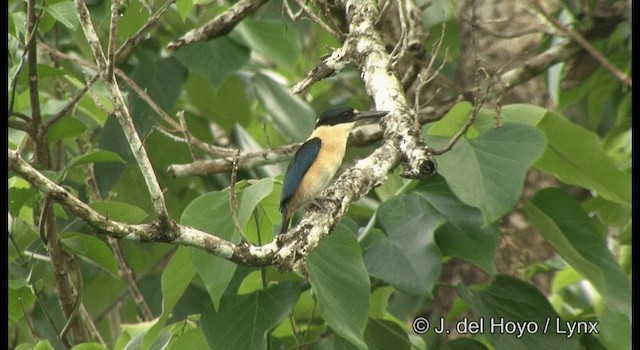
[343, 115]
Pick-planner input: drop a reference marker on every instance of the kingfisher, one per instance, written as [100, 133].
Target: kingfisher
[318, 159]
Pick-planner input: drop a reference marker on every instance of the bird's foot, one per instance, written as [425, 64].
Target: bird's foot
[316, 203]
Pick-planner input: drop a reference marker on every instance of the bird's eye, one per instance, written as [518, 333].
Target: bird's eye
[346, 114]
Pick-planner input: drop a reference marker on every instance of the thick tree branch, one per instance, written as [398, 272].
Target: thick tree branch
[67, 293]
[402, 141]
[151, 232]
[121, 113]
[368, 50]
[220, 25]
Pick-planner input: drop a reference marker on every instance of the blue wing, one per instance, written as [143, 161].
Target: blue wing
[299, 165]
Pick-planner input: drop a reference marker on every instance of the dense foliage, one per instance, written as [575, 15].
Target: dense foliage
[376, 279]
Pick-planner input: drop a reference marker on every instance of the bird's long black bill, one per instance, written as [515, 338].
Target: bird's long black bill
[371, 115]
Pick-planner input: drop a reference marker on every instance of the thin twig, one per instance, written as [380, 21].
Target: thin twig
[221, 151]
[317, 19]
[127, 45]
[233, 199]
[584, 44]
[123, 116]
[20, 125]
[113, 29]
[78, 298]
[293, 16]
[327, 67]
[424, 82]
[479, 97]
[136, 38]
[187, 135]
[123, 267]
[72, 102]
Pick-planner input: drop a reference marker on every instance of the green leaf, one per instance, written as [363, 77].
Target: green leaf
[92, 248]
[453, 121]
[464, 344]
[614, 330]
[65, 13]
[563, 222]
[341, 284]
[243, 321]
[275, 40]
[89, 346]
[391, 187]
[19, 300]
[176, 277]
[96, 156]
[407, 257]
[573, 154]
[488, 172]
[510, 300]
[43, 345]
[162, 79]
[65, 127]
[385, 334]
[191, 339]
[214, 60]
[119, 211]
[463, 235]
[576, 157]
[211, 213]
[292, 116]
[18, 197]
[214, 104]
[44, 71]
[184, 8]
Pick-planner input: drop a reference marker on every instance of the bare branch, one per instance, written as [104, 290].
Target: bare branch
[113, 29]
[538, 64]
[233, 198]
[123, 268]
[402, 140]
[72, 102]
[136, 38]
[124, 118]
[220, 25]
[92, 38]
[243, 253]
[245, 161]
[20, 125]
[584, 44]
[221, 151]
[317, 19]
[329, 65]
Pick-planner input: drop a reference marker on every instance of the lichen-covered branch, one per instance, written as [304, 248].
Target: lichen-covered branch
[367, 49]
[402, 141]
[360, 136]
[220, 25]
[245, 161]
[327, 67]
[150, 232]
[121, 113]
